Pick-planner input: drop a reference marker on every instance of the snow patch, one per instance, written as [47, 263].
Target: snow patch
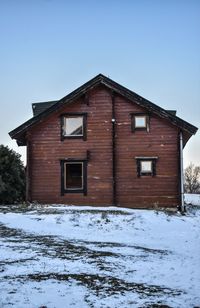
[58, 256]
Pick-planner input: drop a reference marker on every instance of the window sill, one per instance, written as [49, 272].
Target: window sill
[72, 137]
[74, 191]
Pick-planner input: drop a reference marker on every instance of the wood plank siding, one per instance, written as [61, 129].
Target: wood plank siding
[46, 149]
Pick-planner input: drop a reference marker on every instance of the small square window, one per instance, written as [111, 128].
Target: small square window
[73, 126]
[140, 122]
[146, 166]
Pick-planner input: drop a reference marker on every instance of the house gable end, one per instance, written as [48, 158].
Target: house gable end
[42, 110]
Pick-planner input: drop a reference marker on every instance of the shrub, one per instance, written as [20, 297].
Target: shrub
[12, 176]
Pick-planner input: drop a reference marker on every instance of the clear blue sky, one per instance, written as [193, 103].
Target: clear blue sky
[50, 47]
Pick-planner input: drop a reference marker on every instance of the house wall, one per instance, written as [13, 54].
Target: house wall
[46, 149]
[160, 141]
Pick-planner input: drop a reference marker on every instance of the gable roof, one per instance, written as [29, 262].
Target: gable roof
[47, 108]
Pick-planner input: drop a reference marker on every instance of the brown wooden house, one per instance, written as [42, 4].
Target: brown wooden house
[104, 145]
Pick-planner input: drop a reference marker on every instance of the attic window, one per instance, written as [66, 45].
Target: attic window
[73, 126]
[146, 166]
[140, 122]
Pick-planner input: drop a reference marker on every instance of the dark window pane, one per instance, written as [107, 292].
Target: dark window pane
[73, 126]
[73, 176]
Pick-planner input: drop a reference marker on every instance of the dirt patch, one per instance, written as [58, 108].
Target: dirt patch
[101, 285]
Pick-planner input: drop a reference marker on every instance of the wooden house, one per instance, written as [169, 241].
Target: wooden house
[104, 145]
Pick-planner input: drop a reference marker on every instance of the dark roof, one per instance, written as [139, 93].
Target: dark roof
[19, 132]
[40, 107]
[172, 111]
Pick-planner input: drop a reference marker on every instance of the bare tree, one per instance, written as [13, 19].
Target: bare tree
[192, 179]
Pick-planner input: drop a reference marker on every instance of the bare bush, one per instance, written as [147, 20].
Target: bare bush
[192, 179]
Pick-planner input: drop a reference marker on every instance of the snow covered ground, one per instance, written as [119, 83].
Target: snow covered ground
[193, 199]
[60, 256]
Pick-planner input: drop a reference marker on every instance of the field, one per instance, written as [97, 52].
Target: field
[66, 256]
